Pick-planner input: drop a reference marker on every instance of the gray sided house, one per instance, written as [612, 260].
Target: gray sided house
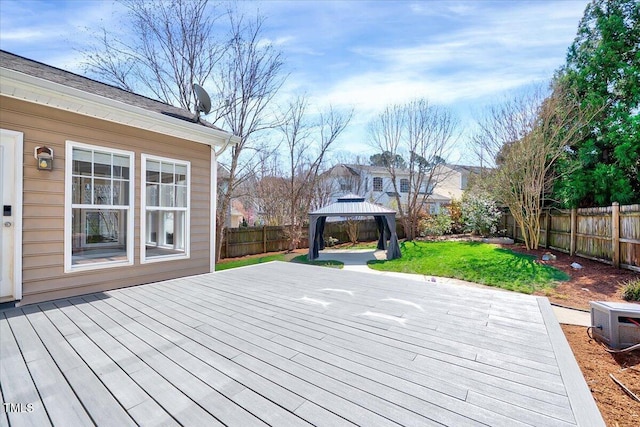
[101, 188]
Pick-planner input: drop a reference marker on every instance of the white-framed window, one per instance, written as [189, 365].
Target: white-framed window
[404, 185]
[377, 183]
[165, 209]
[99, 203]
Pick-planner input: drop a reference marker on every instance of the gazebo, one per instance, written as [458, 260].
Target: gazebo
[353, 205]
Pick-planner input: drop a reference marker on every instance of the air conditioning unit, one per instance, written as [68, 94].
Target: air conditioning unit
[616, 323]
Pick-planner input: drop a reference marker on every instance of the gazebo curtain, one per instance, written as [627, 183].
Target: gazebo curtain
[386, 229]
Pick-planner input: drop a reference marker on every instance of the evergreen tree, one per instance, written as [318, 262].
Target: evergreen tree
[603, 71]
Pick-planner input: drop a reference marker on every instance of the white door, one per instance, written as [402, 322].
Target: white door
[11, 215]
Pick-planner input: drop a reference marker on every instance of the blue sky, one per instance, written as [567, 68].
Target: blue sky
[359, 54]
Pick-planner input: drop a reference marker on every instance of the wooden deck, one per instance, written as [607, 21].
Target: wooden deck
[284, 345]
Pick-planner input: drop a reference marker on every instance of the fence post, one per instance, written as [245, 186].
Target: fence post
[615, 233]
[264, 239]
[226, 242]
[574, 226]
[547, 229]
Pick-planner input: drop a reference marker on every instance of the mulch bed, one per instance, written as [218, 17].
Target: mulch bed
[595, 281]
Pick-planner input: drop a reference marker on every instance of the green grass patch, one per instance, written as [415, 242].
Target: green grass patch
[475, 262]
[225, 265]
[304, 259]
[359, 245]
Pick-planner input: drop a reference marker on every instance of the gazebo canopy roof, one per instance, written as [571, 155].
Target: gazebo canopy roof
[352, 205]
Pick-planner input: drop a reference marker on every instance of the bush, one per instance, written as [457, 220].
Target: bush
[631, 290]
[435, 225]
[455, 210]
[480, 214]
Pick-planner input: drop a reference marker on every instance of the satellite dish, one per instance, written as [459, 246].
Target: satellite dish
[203, 103]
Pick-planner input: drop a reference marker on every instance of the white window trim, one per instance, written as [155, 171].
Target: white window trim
[143, 211]
[68, 209]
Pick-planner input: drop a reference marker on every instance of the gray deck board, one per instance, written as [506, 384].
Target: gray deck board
[286, 344]
[180, 369]
[61, 403]
[103, 408]
[16, 383]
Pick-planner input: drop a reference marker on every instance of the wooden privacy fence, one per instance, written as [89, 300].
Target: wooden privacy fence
[243, 241]
[608, 234]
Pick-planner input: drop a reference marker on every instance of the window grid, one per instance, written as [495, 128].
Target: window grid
[404, 185]
[97, 213]
[377, 183]
[165, 221]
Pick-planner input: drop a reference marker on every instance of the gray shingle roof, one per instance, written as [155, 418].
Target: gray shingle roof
[46, 72]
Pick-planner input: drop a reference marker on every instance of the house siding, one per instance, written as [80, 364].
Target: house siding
[43, 204]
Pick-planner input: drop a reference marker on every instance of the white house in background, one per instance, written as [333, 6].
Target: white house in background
[376, 185]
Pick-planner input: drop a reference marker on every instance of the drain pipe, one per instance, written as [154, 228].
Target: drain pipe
[213, 204]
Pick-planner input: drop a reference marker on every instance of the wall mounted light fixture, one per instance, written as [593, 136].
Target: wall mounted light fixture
[44, 155]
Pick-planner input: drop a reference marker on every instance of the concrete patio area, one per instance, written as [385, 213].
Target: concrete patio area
[356, 260]
[288, 344]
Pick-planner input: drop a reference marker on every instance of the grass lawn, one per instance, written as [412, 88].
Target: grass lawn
[359, 245]
[248, 261]
[475, 262]
[277, 257]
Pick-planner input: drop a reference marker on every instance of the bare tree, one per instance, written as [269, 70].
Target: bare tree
[307, 145]
[249, 77]
[529, 135]
[169, 46]
[423, 134]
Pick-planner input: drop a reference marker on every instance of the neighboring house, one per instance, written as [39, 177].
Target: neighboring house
[121, 193]
[375, 184]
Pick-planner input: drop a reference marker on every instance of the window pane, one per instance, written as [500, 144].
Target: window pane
[153, 171]
[153, 197]
[181, 196]
[81, 190]
[98, 235]
[165, 233]
[120, 192]
[81, 162]
[167, 196]
[102, 192]
[152, 228]
[181, 174]
[120, 167]
[102, 164]
[167, 228]
[178, 231]
[167, 173]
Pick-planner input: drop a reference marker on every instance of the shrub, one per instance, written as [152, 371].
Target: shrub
[480, 213]
[631, 290]
[455, 210]
[435, 225]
